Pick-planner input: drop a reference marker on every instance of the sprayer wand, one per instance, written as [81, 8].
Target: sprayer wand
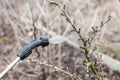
[25, 52]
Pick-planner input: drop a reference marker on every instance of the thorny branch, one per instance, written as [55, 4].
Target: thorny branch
[84, 40]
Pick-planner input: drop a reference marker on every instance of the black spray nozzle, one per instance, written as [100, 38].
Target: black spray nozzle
[27, 50]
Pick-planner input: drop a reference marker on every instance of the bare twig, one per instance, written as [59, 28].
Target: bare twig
[34, 32]
[57, 69]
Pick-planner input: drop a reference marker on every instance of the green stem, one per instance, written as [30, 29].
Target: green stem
[90, 61]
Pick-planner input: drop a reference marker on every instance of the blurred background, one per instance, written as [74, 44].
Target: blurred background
[22, 21]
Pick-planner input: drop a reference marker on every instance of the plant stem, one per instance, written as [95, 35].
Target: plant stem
[84, 40]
